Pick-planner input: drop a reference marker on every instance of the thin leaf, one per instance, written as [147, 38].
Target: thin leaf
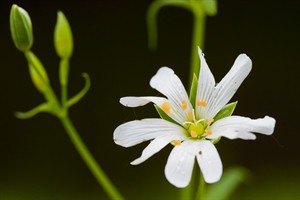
[229, 183]
[193, 91]
[44, 107]
[226, 111]
[81, 94]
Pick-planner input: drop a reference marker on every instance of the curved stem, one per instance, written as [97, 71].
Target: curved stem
[89, 160]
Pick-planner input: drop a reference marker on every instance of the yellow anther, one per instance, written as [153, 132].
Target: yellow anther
[194, 134]
[166, 107]
[208, 132]
[183, 105]
[190, 116]
[201, 103]
[176, 142]
[210, 121]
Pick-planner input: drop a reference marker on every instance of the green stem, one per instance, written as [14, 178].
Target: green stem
[197, 41]
[63, 77]
[90, 161]
[201, 193]
[188, 193]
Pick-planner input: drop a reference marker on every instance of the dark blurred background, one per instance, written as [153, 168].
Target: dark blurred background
[37, 159]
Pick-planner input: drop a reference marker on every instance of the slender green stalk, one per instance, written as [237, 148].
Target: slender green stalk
[89, 160]
[197, 41]
[63, 75]
[188, 193]
[201, 193]
[61, 111]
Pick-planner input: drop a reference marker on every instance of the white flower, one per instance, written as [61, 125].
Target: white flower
[193, 127]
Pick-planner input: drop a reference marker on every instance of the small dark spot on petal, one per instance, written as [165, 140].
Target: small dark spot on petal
[200, 152]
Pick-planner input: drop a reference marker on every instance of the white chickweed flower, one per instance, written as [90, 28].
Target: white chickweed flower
[192, 124]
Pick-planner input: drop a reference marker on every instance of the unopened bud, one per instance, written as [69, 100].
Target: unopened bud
[21, 28]
[63, 39]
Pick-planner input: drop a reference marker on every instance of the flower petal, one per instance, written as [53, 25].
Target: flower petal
[224, 91]
[180, 164]
[141, 101]
[135, 132]
[206, 84]
[209, 161]
[167, 82]
[233, 127]
[156, 145]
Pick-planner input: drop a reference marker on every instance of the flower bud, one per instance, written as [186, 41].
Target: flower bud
[21, 28]
[37, 71]
[63, 39]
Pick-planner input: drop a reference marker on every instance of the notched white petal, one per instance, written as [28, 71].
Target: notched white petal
[167, 82]
[233, 127]
[218, 96]
[209, 161]
[155, 146]
[135, 132]
[141, 101]
[180, 164]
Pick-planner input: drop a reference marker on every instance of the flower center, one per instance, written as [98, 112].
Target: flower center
[196, 130]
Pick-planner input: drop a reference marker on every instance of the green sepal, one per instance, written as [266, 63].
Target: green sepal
[44, 107]
[82, 93]
[215, 141]
[229, 183]
[225, 111]
[210, 7]
[193, 91]
[20, 28]
[63, 38]
[163, 115]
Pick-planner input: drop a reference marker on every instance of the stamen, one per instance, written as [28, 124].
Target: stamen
[166, 107]
[210, 121]
[176, 142]
[191, 115]
[208, 132]
[194, 134]
[183, 105]
[201, 103]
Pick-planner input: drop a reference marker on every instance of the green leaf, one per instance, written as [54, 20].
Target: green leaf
[63, 38]
[225, 111]
[210, 7]
[193, 91]
[163, 115]
[229, 183]
[20, 28]
[44, 107]
[82, 93]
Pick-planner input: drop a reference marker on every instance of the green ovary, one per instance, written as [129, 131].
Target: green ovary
[196, 130]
